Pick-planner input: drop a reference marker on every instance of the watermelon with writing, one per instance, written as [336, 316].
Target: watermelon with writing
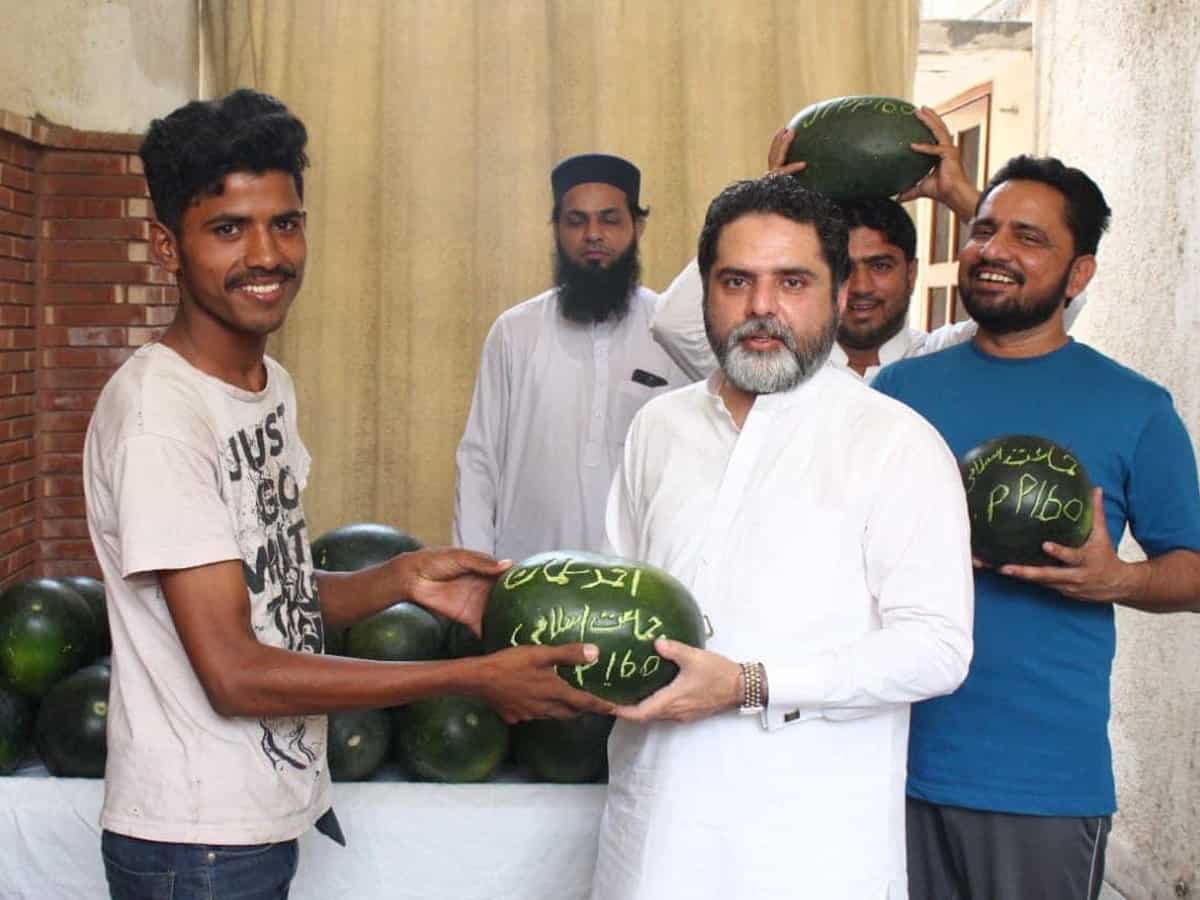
[1023, 490]
[859, 146]
[621, 606]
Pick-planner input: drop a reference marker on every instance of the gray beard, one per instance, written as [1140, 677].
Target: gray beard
[782, 370]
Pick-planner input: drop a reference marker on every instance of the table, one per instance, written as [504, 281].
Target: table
[405, 841]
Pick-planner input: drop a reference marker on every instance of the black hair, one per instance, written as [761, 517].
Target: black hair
[190, 152]
[884, 215]
[1087, 212]
[636, 212]
[779, 195]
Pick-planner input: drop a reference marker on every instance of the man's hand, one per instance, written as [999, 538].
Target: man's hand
[449, 580]
[1093, 572]
[707, 683]
[948, 182]
[521, 683]
[777, 154]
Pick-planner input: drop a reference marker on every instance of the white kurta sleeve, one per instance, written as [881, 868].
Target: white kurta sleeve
[917, 560]
[480, 456]
[678, 324]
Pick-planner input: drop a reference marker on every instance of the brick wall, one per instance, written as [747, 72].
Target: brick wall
[77, 294]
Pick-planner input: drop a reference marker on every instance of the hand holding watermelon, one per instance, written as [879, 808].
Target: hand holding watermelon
[707, 684]
[450, 581]
[777, 163]
[522, 683]
[947, 183]
[1092, 572]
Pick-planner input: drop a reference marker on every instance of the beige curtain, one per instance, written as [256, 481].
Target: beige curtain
[433, 127]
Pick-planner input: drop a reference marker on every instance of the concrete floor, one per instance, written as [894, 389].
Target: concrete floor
[1109, 893]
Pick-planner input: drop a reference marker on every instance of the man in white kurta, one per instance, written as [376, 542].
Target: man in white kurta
[823, 531]
[557, 389]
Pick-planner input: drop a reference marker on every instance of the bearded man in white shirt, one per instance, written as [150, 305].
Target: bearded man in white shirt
[562, 375]
[823, 531]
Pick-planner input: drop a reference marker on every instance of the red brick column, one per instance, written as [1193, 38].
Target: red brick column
[77, 295]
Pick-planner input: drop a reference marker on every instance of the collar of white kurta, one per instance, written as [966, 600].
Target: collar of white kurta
[772, 403]
[894, 348]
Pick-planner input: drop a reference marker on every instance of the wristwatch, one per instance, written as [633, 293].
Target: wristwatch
[754, 694]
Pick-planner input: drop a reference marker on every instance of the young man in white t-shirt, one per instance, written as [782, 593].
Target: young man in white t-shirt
[193, 470]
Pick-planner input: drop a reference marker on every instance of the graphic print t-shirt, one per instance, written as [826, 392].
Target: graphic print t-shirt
[181, 470]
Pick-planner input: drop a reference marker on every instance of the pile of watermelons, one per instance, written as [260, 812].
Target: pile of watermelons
[54, 674]
[449, 739]
[54, 671]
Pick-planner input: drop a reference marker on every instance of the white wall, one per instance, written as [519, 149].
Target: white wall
[97, 65]
[1119, 96]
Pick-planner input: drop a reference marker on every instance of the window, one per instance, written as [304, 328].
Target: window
[968, 118]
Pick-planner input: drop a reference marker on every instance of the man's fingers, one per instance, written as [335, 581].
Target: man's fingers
[1047, 575]
[790, 168]
[581, 701]
[675, 651]
[567, 654]
[780, 143]
[1071, 556]
[940, 132]
[649, 709]
[1099, 523]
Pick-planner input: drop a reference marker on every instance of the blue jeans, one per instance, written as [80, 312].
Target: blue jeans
[155, 870]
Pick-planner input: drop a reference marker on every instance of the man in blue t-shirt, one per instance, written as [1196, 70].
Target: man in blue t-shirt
[1010, 778]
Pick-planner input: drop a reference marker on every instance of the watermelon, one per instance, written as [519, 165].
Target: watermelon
[362, 544]
[1023, 490]
[357, 546]
[92, 590]
[451, 738]
[358, 743]
[402, 632]
[47, 632]
[621, 606]
[461, 641]
[71, 724]
[16, 728]
[564, 750]
[859, 146]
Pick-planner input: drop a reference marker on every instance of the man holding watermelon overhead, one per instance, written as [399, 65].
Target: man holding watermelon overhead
[193, 471]
[1010, 778]
[873, 329]
[561, 376]
[822, 529]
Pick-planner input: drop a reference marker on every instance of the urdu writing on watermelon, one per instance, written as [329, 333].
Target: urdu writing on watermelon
[827, 538]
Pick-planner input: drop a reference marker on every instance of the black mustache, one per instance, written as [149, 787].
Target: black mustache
[979, 267]
[236, 281]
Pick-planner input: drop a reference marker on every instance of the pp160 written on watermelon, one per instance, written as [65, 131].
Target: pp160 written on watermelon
[586, 622]
[1043, 504]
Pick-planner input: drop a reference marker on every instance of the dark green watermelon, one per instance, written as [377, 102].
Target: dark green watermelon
[402, 632]
[564, 750]
[450, 738]
[1023, 490]
[16, 729]
[356, 546]
[47, 631]
[358, 743]
[461, 641]
[70, 732]
[621, 606]
[859, 146]
[92, 590]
